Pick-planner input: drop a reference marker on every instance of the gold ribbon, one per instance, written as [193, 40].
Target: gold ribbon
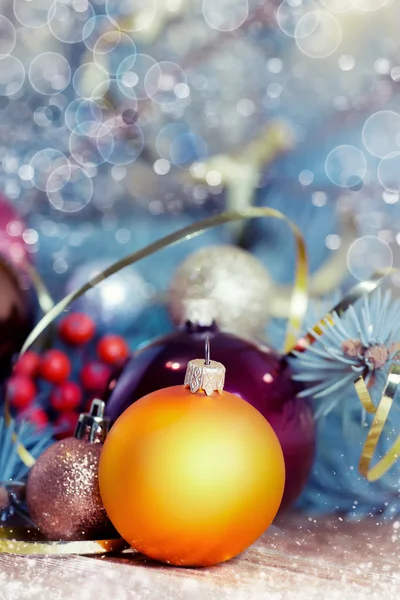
[362, 289]
[381, 413]
[24, 542]
[45, 300]
[299, 299]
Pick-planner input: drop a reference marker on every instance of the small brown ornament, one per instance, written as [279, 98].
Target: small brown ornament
[62, 490]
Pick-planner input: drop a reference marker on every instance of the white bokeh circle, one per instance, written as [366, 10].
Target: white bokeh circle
[32, 13]
[74, 189]
[367, 255]
[381, 133]
[166, 136]
[43, 116]
[346, 166]
[67, 19]
[389, 172]
[49, 73]
[82, 115]
[131, 15]
[43, 163]
[84, 148]
[118, 99]
[289, 14]
[111, 49]
[131, 78]
[90, 81]
[127, 142]
[186, 149]
[8, 36]
[324, 40]
[163, 80]
[94, 28]
[225, 15]
[12, 75]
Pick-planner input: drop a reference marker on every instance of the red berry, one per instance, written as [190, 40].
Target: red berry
[38, 418]
[66, 397]
[21, 391]
[77, 328]
[95, 376]
[66, 424]
[55, 366]
[112, 349]
[28, 364]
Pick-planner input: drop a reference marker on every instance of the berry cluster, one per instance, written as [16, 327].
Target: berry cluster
[42, 388]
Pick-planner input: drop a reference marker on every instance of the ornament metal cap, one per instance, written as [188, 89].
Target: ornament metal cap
[205, 374]
[93, 426]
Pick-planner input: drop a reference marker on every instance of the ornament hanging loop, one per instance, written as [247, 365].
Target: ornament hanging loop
[381, 414]
[207, 351]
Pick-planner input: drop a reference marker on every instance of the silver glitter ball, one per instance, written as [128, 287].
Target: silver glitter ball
[224, 284]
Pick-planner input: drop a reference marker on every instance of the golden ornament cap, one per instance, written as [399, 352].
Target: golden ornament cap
[205, 374]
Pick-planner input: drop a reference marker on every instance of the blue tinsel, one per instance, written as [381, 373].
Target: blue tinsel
[11, 466]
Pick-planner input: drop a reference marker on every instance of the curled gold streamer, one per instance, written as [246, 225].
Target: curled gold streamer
[381, 413]
[299, 299]
[363, 395]
[362, 289]
[45, 300]
[25, 543]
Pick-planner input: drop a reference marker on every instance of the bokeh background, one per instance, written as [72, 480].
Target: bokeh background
[123, 121]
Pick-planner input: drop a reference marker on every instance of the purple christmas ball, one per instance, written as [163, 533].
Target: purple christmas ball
[255, 373]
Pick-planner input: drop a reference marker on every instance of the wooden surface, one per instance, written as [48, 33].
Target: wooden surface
[298, 558]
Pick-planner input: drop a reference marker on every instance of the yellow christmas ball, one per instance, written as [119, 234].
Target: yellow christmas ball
[191, 478]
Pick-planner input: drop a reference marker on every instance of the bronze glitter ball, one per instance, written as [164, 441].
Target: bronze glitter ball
[63, 494]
